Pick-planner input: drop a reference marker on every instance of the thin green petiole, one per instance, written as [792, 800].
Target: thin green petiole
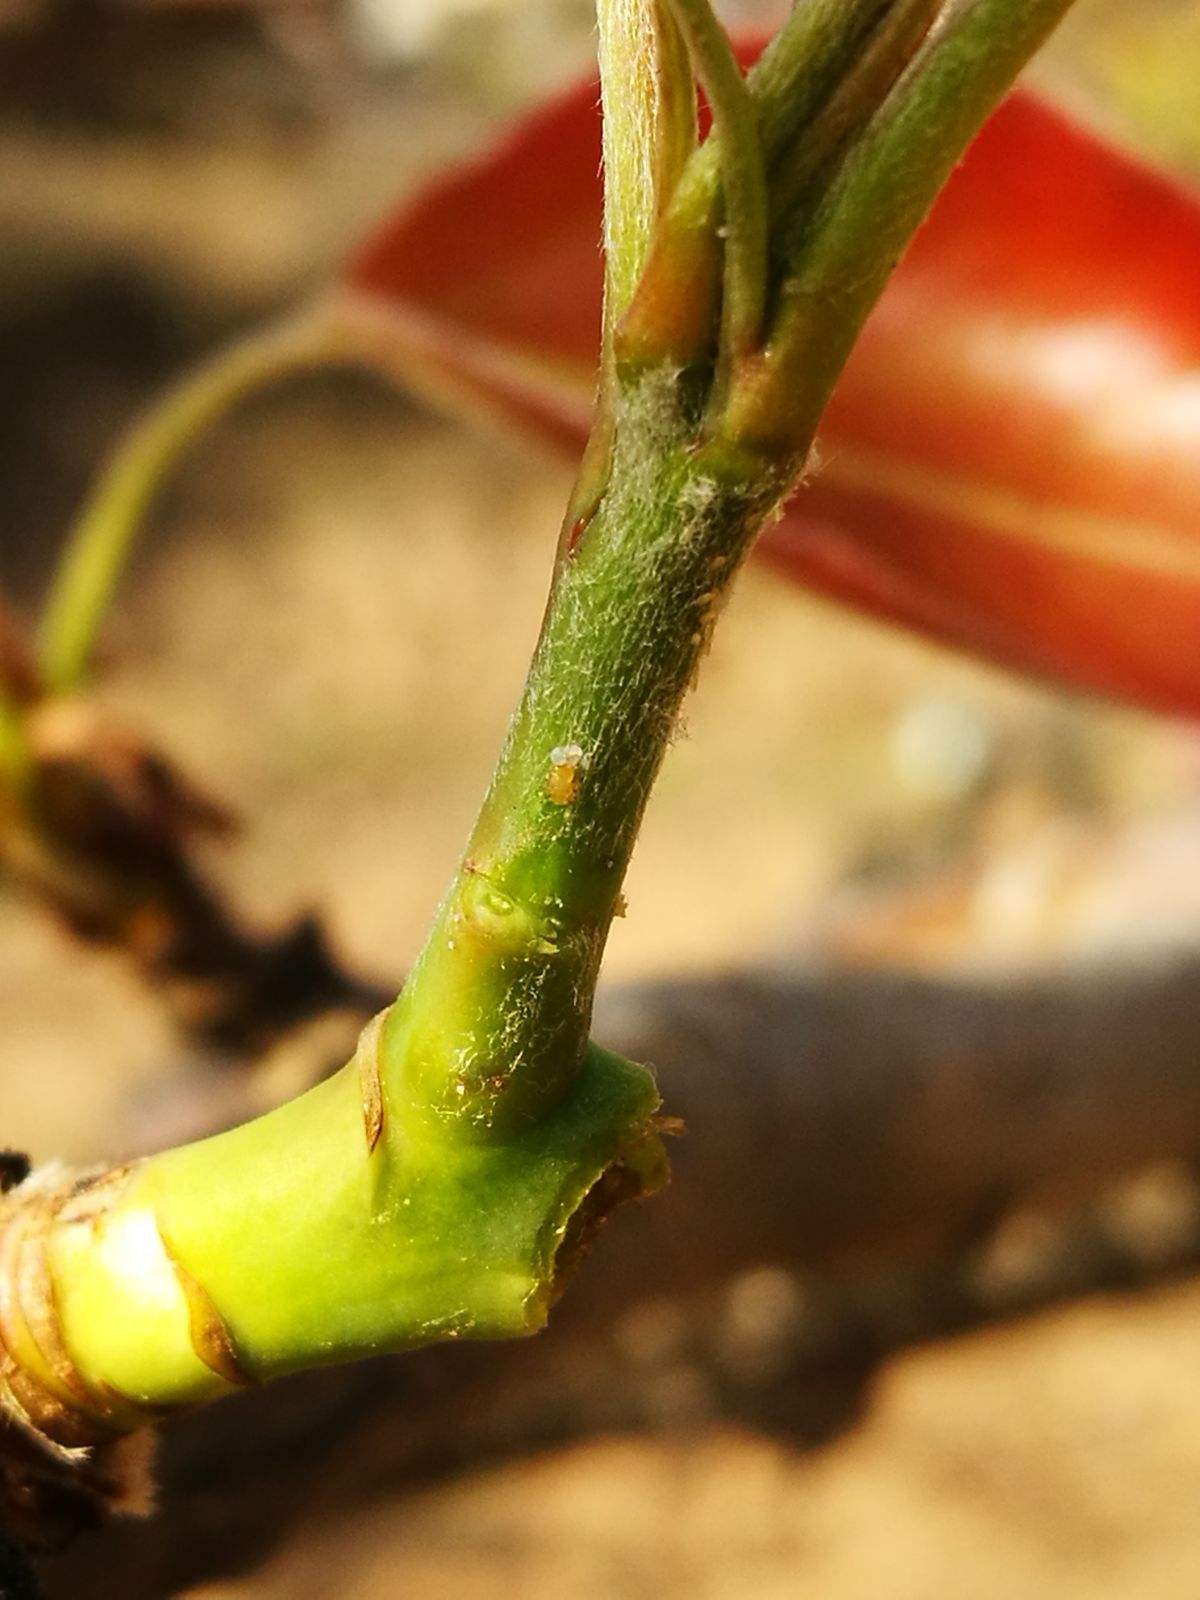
[874, 203]
[789, 83]
[437, 1187]
[803, 168]
[743, 177]
[806, 62]
[873, 206]
[674, 311]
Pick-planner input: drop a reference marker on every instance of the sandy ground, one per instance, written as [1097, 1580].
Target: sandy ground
[1059, 1457]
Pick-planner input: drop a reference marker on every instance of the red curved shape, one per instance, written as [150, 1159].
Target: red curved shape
[1011, 461]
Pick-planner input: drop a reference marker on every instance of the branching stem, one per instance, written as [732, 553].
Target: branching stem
[674, 314]
[427, 1189]
[805, 165]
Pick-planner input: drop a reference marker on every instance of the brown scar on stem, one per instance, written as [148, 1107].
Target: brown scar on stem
[39, 1307]
[207, 1333]
[576, 530]
[369, 1081]
[31, 1397]
[94, 1196]
[563, 785]
[591, 483]
[43, 1389]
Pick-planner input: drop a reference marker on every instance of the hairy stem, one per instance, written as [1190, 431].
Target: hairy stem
[493, 1021]
[743, 179]
[427, 1190]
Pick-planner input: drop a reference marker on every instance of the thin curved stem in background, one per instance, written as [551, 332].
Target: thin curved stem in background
[100, 544]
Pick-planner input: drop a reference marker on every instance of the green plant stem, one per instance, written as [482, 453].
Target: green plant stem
[100, 544]
[495, 1015]
[674, 313]
[743, 178]
[875, 203]
[649, 133]
[427, 1190]
[287, 1243]
[806, 163]
[800, 68]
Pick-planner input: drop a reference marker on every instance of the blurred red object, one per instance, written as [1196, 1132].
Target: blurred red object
[1011, 461]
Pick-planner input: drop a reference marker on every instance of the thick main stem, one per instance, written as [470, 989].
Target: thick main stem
[292, 1242]
[492, 1024]
[437, 1185]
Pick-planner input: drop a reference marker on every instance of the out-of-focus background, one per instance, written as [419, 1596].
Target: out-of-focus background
[327, 628]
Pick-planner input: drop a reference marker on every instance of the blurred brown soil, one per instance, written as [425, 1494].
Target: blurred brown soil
[1057, 1457]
